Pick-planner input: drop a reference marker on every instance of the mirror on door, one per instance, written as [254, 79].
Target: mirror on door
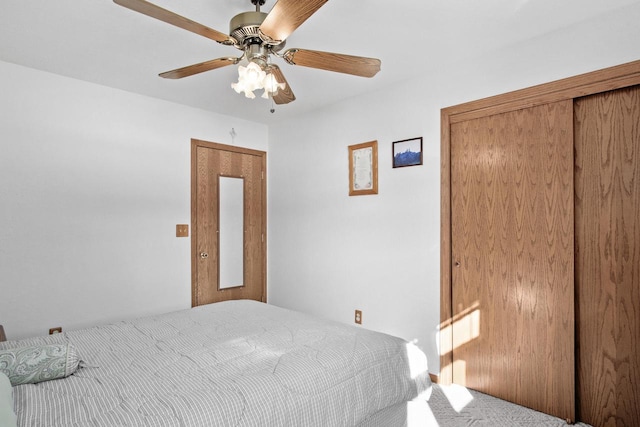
[231, 232]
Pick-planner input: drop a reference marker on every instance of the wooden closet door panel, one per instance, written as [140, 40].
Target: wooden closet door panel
[607, 200]
[512, 252]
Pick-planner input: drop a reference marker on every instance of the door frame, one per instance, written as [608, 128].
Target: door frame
[195, 143]
[612, 78]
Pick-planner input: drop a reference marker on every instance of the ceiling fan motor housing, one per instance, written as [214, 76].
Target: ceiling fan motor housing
[244, 28]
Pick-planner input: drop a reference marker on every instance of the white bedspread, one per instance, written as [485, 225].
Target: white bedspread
[235, 363]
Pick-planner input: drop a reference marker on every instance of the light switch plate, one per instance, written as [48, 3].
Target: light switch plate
[182, 230]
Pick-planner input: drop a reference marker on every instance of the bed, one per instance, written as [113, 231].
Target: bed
[233, 363]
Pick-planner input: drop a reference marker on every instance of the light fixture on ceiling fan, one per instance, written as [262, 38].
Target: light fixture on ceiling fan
[254, 77]
[259, 35]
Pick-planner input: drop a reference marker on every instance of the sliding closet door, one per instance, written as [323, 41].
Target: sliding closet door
[512, 255]
[607, 138]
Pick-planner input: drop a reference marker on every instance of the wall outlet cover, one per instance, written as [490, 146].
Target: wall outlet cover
[358, 317]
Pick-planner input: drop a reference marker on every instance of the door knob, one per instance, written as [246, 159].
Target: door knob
[204, 255]
[457, 264]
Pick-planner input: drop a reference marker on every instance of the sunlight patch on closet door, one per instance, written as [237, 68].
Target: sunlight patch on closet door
[464, 328]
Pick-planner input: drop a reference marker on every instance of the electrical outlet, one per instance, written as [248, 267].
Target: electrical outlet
[182, 230]
[57, 330]
[358, 318]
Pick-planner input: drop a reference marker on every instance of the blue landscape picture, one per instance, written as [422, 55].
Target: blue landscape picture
[407, 153]
[407, 158]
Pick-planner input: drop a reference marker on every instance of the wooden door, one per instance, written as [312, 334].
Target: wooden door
[512, 254]
[210, 162]
[607, 200]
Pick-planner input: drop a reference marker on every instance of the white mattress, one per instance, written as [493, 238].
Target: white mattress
[235, 363]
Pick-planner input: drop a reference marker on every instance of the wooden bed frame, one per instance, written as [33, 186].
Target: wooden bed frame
[3, 337]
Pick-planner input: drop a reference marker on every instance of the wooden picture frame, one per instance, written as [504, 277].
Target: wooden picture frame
[363, 169]
[407, 152]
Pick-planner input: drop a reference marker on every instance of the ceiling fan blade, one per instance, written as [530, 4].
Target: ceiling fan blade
[283, 96]
[355, 65]
[190, 70]
[164, 15]
[286, 16]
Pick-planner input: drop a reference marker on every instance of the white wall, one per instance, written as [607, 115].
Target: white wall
[330, 253]
[92, 183]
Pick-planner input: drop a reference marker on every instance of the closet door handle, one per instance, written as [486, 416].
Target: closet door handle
[456, 264]
[204, 255]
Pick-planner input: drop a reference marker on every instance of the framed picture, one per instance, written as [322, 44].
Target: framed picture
[407, 152]
[363, 168]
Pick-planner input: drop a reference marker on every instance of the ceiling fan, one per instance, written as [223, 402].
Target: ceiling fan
[259, 35]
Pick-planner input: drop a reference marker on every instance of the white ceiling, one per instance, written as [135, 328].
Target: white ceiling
[101, 42]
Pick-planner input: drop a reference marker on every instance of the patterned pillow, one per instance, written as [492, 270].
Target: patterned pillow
[7, 417]
[34, 364]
